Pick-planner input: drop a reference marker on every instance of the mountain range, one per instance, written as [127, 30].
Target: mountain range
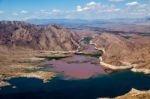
[15, 34]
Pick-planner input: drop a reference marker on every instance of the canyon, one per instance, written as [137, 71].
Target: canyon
[24, 47]
[22, 44]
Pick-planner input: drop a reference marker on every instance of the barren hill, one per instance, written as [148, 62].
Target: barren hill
[52, 37]
[124, 52]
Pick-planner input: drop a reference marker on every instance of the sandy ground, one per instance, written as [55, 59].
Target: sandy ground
[22, 64]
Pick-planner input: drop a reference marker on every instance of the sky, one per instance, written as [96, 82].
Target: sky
[73, 9]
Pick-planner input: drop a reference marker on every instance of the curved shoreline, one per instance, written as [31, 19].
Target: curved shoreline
[132, 67]
[115, 67]
[132, 94]
[145, 71]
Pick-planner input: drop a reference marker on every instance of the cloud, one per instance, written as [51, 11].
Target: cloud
[112, 10]
[91, 3]
[15, 14]
[23, 12]
[93, 7]
[80, 9]
[50, 12]
[116, 0]
[45, 12]
[135, 3]
[56, 11]
[88, 6]
[98, 10]
[92, 10]
[1, 12]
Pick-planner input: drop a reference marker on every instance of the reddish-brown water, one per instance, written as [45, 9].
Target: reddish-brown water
[77, 67]
[90, 48]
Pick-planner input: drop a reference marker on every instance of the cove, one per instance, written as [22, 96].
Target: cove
[104, 85]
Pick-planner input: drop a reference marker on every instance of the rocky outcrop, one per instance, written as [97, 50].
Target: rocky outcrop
[15, 34]
[43, 75]
[124, 52]
[3, 84]
[133, 94]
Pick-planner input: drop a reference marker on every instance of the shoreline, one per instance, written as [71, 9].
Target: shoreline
[45, 76]
[145, 71]
[41, 75]
[132, 67]
[113, 67]
[132, 94]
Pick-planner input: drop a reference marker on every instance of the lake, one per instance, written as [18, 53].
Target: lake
[103, 85]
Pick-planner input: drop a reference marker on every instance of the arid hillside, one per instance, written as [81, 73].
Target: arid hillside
[15, 34]
[120, 52]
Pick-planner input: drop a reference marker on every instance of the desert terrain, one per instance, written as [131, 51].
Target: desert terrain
[24, 46]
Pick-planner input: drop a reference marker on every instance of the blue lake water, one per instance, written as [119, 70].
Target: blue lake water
[104, 85]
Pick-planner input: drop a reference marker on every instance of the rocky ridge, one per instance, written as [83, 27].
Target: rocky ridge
[131, 52]
[14, 34]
